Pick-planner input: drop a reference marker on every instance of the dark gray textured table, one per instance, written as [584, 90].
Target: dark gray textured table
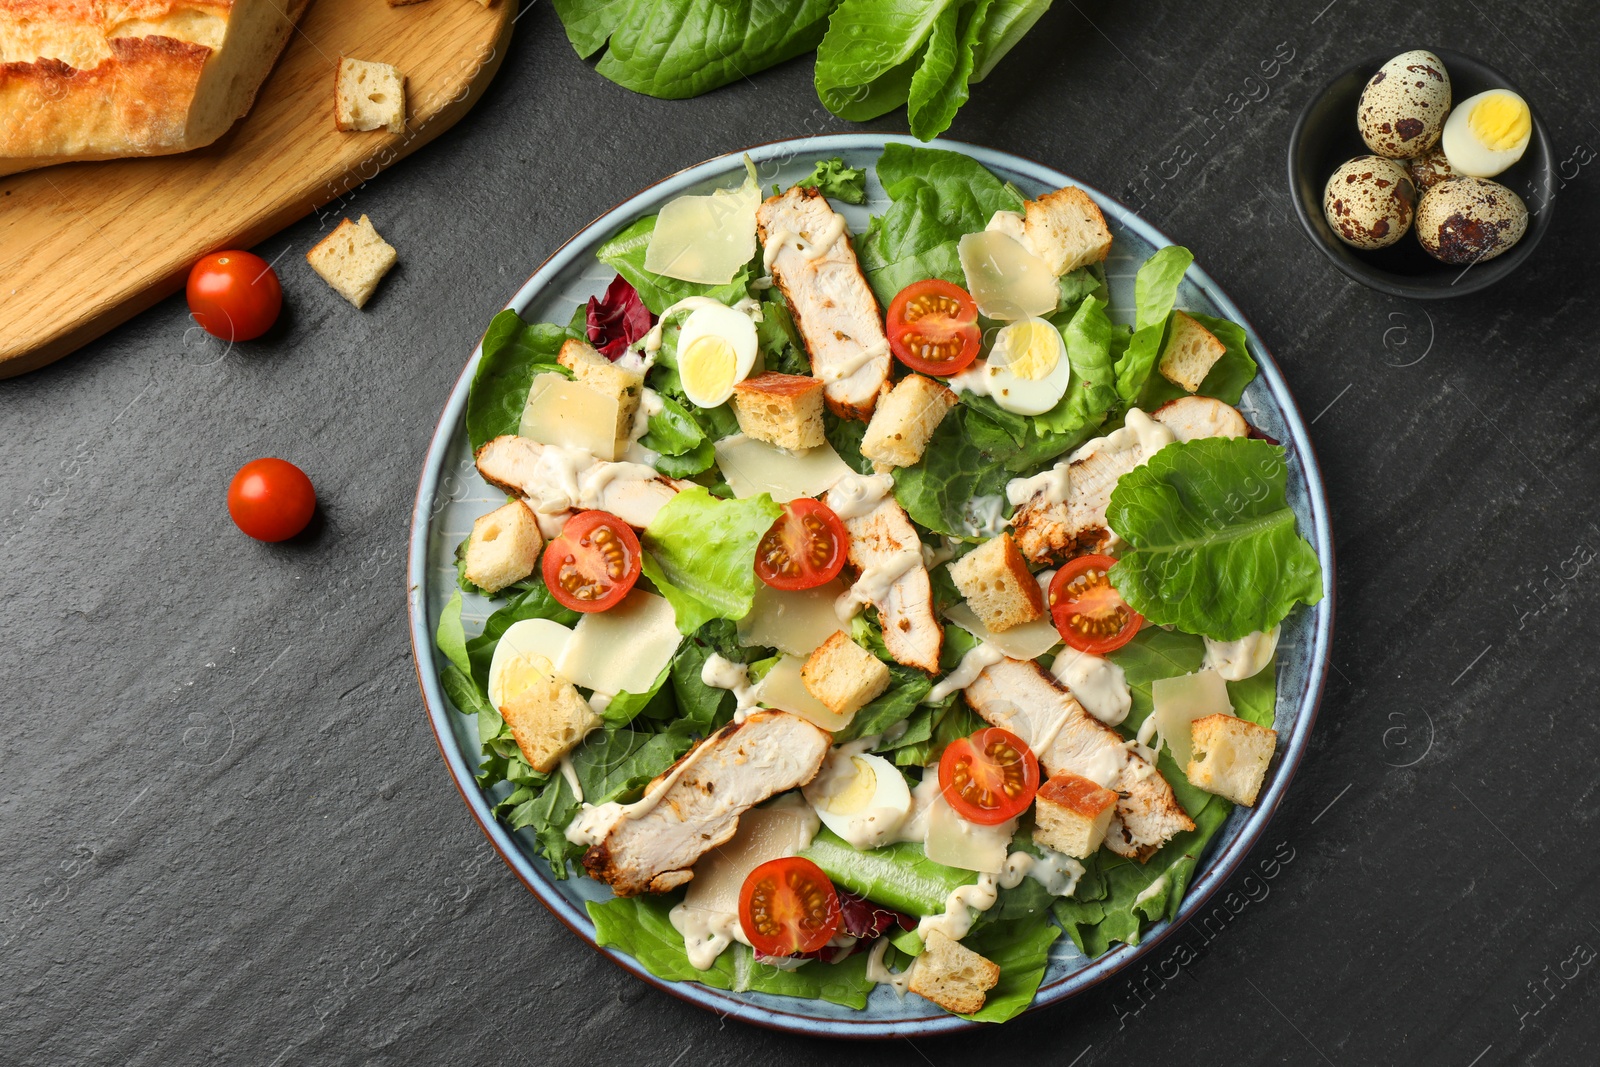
[227, 832]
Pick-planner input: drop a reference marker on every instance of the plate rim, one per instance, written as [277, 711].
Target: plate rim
[1220, 864]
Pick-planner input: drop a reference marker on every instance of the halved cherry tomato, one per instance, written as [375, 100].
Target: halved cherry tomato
[1089, 613]
[989, 777]
[804, 549]
[271, 499]
[234, 295]
[594, 562]
[933, 327]
[787, 907]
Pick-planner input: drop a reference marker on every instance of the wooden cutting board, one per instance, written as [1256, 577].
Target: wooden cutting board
[86, 246]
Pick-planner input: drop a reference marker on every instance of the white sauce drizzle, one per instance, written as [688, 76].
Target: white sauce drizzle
[594, 821]
[879, 972]
[720, 672]
[1151, 890]
[1244, 658]
[1098, 684]
[705, 933]
[974, 380]
[1057, 873]
[570, 773]
[984, 516]
[873, 586]
[979, 657]
[1138, 431]
[845, 368]
[1052, 484]
[570, 478]
[855, 495]
[650, 343]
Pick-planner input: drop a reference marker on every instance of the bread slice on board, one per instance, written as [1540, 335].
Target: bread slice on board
[81, 80]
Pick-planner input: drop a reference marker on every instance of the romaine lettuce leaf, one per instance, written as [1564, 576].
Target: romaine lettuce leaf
[1227, 378]
[939, 87]
[640, 927]
[900, 876]
[1214, 548]
[938, 197]
[1008, 21]
[674, 49]
[513, 352]
[867, 59]
[625, 253]
[1155, 290]
[700, 551]
[1091, 337]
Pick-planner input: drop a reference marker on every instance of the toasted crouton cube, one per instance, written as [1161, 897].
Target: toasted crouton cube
[504, 547]
[353, 259]
[1067, 230]
[995, 580]
[904, 420]
[547, 715]
[369, 96]
[952, 975]
[1071, 814]
[843, 675]
[1190, 353]
[780, 409]
[1231, 756]
[592, 369]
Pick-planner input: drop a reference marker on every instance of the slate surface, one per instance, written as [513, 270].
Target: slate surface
[228, 836]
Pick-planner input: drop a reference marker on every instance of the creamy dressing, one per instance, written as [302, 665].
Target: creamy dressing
[1104, 765]
[570, 773]
[1138, 431]
[570, 478]
[984, 516]
[923, 795]
[1051, 483]
[1244, 658]
[1058, 873]
[812, 249]
[600, 702]
[720, 672]
[1098, 684]
[650, 343]
[1151, 890]
[961, 909]
[932, 557]
[972, 664]
[844, 368]
[873, 585]
[879, 972]
[974, 380]
[705, 933]
[856, 495]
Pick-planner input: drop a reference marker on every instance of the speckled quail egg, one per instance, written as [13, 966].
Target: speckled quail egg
[1369, 202]
[1487, 133]
[1468, 220]
[1403, 107]
[1429, 169]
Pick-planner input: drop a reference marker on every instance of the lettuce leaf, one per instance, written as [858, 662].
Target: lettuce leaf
[1008, 21]
[1228, 376]
[871, 52]
[1214, 548]
[939, 87]
[938, 196]
[899, 875]
[1091, 338]
[513, 352]
[640, 927]
[700, 551]
[837, 181]
[1155, 290]
[674, 49]
[1021, 949]
[625, 253]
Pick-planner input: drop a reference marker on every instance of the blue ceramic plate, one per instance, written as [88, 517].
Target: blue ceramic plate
[451, 496]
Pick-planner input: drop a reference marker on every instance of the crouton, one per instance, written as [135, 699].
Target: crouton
[1071, 814]
[1230, 757]
[353, 259]
[1190, 353]
[843, 675]
[904, 420]
[952, 975]
[596, 371]
[369, 96]
[780, 409]
[504, 547]
[547, 715]
[1066, 230]
[995, 580]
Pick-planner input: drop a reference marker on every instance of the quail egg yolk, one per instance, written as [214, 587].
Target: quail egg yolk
[1500, 121]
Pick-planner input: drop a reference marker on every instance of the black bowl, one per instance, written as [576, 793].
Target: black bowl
[1326, 136]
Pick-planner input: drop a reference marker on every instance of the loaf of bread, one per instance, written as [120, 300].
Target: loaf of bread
[97, 79]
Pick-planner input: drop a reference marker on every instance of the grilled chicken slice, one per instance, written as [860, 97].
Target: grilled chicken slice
[887, 555]
[833, 307]
[725, 775]
[1022, 697]
[1192, 417]
[554, 486]
[1049, 531]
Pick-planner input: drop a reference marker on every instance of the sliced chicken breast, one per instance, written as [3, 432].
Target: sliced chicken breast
[887, 556]
[833, 306]
[556, 481]
[1048, 531]
[1021, 696]
[1193, 417]
[725, 775]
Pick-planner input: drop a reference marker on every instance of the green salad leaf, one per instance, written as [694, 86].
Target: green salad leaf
[907, 687]
[1214, 548]
[867, 59]
[700, 551]
[837, 181]
[1155, 290]
[938, 197]
[939, 87]
[640, 927]
[1021, 949]
[676, 48]
[899, 875]
[513, 354]
[625, 253]
[1092, 339]
[1008, 21]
